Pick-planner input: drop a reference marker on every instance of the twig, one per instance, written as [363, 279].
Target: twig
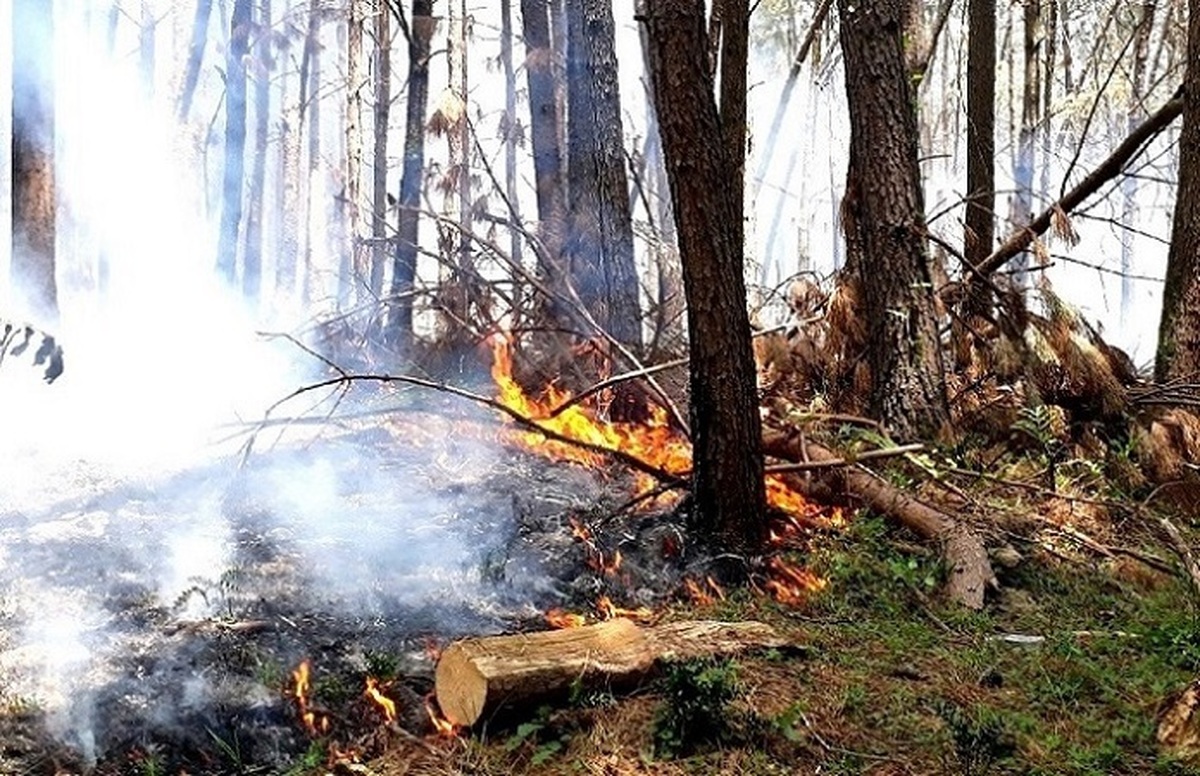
[833, 463]
[1183, 551]
[610, 382]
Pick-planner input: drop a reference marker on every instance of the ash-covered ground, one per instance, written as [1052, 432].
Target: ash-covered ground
[159, 617]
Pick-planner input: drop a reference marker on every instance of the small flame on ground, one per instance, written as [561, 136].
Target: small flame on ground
[444, 727]
[558, 618]
[610, 611]
[790, 584]
[384, 703]
[314, 723]
[703, 594]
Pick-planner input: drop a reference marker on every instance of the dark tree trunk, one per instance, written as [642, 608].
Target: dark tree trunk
[33, 182]
[1179, 330]
[383, 103]
[735, 50]
[235, 140]
[730, 503]
[600, 243]
[195, 56]
[252, 257]
[908, 390]
[404, 270]
[981, 170]
[544, 126]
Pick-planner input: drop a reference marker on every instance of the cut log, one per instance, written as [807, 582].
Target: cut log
[1179, 725]
[478, 677]
[970, 570]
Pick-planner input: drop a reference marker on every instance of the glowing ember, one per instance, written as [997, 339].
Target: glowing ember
[609, 611]
[653, 442]
[792, 585]
[385, 704]
[443, 726]
[314, 723]
[557, 618]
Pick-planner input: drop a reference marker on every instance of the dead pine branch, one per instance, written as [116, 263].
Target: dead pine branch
[970, 569]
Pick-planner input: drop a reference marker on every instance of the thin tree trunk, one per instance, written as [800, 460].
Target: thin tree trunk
[383, 100]
[510, 134]
[308, 108]
[981, 164]
[404, 271]
[235, 140]
[1030, 103]
[1135, 113]
[355, 271]
[33, 137]
[544, 127]
[252, 255]
[195, 56]
[735, 52]
[1048, 97]
[730, 500]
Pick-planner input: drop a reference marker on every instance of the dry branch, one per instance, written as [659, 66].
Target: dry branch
[477, 678]
[970, 570]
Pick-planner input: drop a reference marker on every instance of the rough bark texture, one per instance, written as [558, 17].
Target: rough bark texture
[476, 678]
[735, 50]
[981, 130]
[235, 139]
[404, 270]
[379, 160]
[970, 570]
[1179, 330]
[195, 56]
[730, 503]
[353, 271]
[544, 123]
[600, 243]
[908, 390]
[33, 185]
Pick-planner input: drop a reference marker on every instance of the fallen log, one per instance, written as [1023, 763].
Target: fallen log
[476, 678]
[970, 570]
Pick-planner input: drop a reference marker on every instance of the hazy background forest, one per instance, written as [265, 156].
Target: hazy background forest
[141, 172]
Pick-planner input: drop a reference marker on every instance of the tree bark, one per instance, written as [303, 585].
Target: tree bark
[728, 489]
[1135, 113]
[981, 131]
[1179, 330]
[735, 52]
[404, 270]
[600, 243]
[544, 128]
[379, 158]
[1022, 210]
[252, 255]
[235, 140]
[34, 197]
[353, 272]
[476, 678]
[908, 389]
[195, 56]
[510, 136]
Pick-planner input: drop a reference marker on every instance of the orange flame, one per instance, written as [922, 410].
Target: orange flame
[609, 611]
[314, 723]
[385, 704]
[653, 441]
[557, 618]
[792, 585]
[703, 595]
[443, 726]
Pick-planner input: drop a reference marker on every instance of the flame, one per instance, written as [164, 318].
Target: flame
[444, 727]
[653, 441]
[705, 594]
[558, 618]
[314, 723]
[609, 611]
[790, 584]
[385, 704]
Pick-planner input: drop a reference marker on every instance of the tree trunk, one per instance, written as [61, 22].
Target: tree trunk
[1030, 118]
[33, 179]
[908, 389]
[600, 243]
[735, 51]
[353, 270]
[195, 56]
[509, 132]
[1179, 329]
[728, 489]
[383, 102]
[544, 127]
[235, 139]
[1135, 113]
[252, 257]
[314, 210]
[404, 271]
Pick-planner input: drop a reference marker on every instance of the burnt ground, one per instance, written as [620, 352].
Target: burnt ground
[152, 623]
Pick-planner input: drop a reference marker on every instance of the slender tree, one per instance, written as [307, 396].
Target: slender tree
[1179, 329]
[404, 270]
[195, 56]
[33, 181]
[981, 154]
[544, 122]
[1135, 113]
[253, 251]
[727, 473]
[351, 270]
[1030, 118]
[379, 157]
[908, 389]
[235, 139]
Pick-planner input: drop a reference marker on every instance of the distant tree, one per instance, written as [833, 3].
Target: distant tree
[727, 473]
[351, 269]
[544, 123]
[404, 268]
[379, 155]
[599, 248]
[1179, 329]
[33, 180]
[195, 56]
[235, 139]
[908, 389]
[252, 254]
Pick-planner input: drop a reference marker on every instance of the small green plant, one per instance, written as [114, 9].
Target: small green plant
[546, 741]
[696, 709]
[980, 738]
[314, 757]
[382, 665]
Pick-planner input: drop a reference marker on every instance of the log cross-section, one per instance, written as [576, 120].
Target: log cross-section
[477, 677]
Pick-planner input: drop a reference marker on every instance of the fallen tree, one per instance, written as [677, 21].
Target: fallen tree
[478, 678]
[970, 570]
